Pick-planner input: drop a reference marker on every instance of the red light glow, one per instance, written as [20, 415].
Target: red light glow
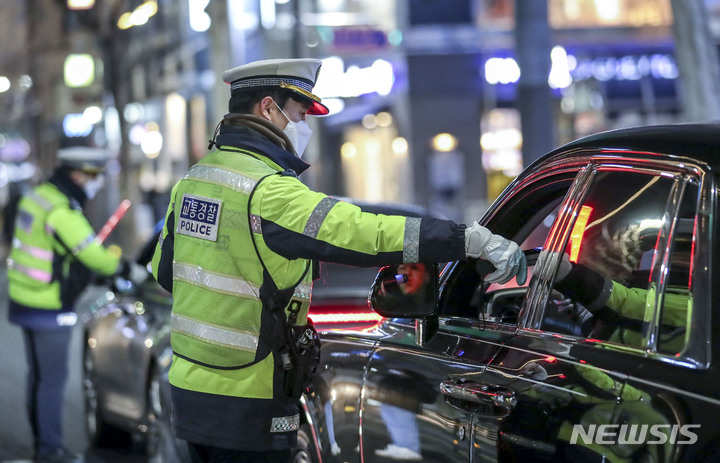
[345, 317]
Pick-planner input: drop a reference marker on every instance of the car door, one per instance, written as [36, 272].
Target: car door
[334, 407]
[121, 356]
[429, 400]
[569, 365]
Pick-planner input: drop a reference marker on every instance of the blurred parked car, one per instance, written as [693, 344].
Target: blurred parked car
[466, 371]
[127, 351]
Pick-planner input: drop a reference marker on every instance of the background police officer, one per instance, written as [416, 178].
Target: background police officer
[236, 251]
[53, 253]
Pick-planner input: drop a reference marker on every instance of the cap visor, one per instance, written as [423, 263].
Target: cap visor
[318, 109]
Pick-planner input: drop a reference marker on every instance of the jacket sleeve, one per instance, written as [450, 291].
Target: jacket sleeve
[75, 233]
[164, 250]
[300, 223]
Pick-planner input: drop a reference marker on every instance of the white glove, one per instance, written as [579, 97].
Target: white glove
[505, 255]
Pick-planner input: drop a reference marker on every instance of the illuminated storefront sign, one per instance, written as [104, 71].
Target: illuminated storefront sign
[336, 81]
[567, 68]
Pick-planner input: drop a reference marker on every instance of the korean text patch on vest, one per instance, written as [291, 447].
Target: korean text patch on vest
[199, 217]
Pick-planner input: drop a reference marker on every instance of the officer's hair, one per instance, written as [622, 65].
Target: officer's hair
[244, 101]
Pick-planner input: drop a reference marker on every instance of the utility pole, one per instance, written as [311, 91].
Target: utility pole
[697, 57]
[534, 100]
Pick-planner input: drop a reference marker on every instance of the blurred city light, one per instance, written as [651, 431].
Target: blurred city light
[75, 125]
[80, 4]
[369, 121]
[25, 82]
[400, 146]
[444, 142]
[176, 125]
[384, 119]
[334, 81]
[152, 140]
[112, 128]
[348, 150]
[79, 70]
[501, 71]
[568, 68]
[138, 16]
[14, 149]
[334, 105]
[133, 112]
[199, 20]
[267, 14]
[136, 134]
[4, 84]
[560, 71]
[608, 10]
[92, 115]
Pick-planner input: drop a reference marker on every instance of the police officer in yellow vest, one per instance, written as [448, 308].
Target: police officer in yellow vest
[236, 251]
[51, 259]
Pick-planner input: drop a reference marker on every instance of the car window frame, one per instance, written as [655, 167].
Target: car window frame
[551, 175]
[696, 353]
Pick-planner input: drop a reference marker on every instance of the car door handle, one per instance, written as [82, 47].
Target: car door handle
[480, 393]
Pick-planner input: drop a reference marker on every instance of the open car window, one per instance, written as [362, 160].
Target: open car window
[527, 219]
[631, 258]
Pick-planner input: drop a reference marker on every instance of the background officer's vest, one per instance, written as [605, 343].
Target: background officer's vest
[32, 279]
[217, 318]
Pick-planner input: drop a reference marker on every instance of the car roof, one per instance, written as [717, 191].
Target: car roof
[698, 141]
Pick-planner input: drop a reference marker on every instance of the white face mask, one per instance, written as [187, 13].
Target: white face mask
[298, 132]
[93, 185]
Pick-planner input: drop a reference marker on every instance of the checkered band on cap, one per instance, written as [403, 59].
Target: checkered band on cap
[269, 81]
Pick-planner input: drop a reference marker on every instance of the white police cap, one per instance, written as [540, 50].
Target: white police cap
[85, 158]
[298, 75]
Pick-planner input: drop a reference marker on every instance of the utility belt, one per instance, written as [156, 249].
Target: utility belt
[296, 348]
[299, 356]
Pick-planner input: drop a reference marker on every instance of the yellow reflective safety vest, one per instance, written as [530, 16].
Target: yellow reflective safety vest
[218, 318]
[51, 236]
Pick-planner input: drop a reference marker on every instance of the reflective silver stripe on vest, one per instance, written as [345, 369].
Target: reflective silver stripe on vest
[285, 423]
[237, 182]
[214, 334]
[34, 273]
[255, 223]
[46, 205]
[38, 253]
[213, 281]
[411, 240]
[302, 291]
[42, 202]
[318, 215]
[88, 241]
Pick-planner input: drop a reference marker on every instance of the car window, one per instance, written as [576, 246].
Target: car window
[526, 218]
[676, 303]
[619, 247]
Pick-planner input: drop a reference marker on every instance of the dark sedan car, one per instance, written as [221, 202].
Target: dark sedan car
[615, 361]
[127, 350]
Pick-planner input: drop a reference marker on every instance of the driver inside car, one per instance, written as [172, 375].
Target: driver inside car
[624, 312]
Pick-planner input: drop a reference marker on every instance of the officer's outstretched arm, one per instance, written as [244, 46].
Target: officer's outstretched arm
[74, 232]
[297, 222]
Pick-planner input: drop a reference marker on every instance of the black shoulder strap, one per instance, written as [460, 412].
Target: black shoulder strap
[276, 295]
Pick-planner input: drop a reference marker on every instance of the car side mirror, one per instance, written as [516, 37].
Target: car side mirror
[405, 291]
